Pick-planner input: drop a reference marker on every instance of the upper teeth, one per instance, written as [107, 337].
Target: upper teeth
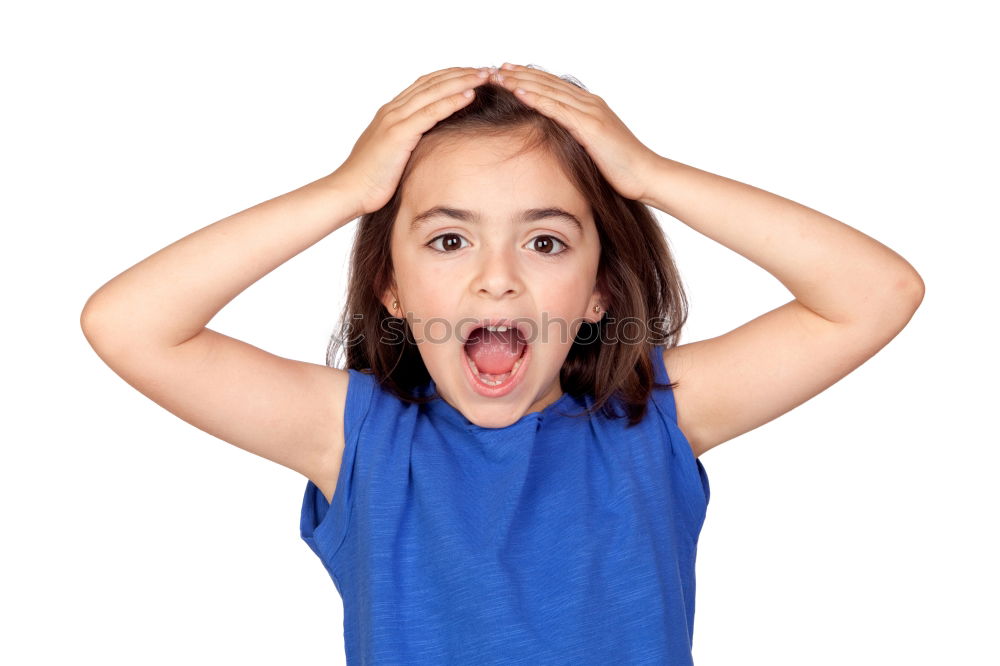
[498, 329]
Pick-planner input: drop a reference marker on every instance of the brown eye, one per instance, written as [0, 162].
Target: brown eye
[453, 242]
[544, 244]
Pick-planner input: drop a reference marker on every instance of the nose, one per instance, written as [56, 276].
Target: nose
[498, 273]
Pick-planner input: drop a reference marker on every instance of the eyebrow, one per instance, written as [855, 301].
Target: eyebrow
[529, 215]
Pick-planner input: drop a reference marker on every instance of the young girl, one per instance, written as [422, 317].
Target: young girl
[507, 471]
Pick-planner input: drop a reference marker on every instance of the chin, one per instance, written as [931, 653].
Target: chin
[491, 421]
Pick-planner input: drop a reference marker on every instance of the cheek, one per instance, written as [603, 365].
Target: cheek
[414, 268]
[435, 332]
[428, 306]
[561, 316]
[562, 290]
[414, 276]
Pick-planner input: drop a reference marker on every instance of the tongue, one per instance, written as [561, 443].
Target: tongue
[493, 352]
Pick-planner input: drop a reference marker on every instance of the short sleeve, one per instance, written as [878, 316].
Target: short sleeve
[323, 525]
[692, 473]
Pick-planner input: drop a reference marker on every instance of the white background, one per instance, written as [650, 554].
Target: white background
[860, 528]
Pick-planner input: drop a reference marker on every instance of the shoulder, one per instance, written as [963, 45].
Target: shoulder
[678, 361]
[333, 384]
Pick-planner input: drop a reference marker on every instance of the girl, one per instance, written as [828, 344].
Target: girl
[507, 471]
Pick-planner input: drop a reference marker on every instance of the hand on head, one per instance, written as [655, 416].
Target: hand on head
[623, 160]
[376, 163]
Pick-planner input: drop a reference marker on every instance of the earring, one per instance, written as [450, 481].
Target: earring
[394, 304]
[597, 308]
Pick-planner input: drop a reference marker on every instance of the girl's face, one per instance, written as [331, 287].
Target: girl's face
[485, 261]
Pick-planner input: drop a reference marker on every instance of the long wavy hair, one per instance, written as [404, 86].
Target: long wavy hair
[637, 275]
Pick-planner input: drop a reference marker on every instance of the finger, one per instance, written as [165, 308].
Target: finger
[542, 76]
[439, 88]
[554, 104]
[429, 77]
[535, 87]
[429, 80]
[431, 104]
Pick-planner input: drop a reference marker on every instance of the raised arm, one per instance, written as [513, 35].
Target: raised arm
[834, 270]
[169, 297]
[852, 296]
[149, 323]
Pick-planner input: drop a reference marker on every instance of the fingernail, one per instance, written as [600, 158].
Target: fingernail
[483, 73]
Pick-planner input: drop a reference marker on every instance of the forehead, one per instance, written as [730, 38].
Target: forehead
[487, 172]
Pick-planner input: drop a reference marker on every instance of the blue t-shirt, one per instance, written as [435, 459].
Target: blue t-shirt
[554, 540]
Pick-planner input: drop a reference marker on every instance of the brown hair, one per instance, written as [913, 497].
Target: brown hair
[637, 275]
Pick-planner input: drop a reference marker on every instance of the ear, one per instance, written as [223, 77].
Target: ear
[387, 298]
[596, 299]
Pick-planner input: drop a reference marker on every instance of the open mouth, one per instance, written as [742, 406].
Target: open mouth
[494, 355]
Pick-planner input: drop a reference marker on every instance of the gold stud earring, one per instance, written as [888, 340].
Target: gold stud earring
[394, 304]
[597, 308]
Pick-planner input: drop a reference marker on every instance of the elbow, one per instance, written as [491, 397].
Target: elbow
[909, 290]
[96, 325]
[890, 306]
[88, 316]
[89, 324]
[902, 298]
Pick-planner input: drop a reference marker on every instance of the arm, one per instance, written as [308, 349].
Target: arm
[852, 296]
[169, 297]
[834, 270]
[149, 325]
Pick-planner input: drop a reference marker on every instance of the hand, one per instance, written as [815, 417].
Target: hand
[376, 162]
[627, 164]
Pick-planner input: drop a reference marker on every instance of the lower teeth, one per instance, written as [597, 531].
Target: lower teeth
[490, 382]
